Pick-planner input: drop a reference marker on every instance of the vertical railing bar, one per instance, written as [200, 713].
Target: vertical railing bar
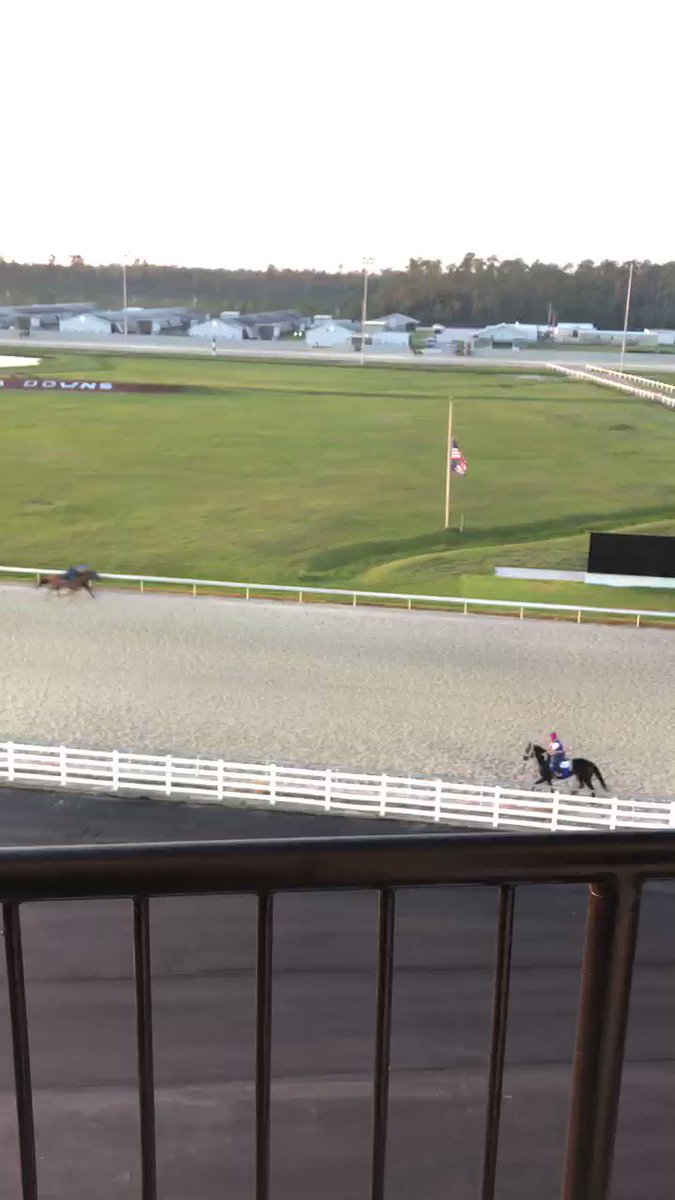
[146, 1076]
[500, 1012]
[611, 934]
[263, 1047]
[20, 1049]
[385, 970]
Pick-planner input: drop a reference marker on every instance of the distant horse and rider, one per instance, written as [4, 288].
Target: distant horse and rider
[554, 765]
[75, 579]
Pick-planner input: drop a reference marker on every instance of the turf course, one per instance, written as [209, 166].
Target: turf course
[329, 475]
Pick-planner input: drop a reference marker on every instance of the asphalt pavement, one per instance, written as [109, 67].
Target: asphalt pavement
[81, 1012]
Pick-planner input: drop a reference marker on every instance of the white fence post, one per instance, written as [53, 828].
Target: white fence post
[555, 811]
[115, 766]
[167, 775]
[273, 784]
[63, 766]
[383, 796]
[327, 783]
[614, 814]
[495, 810]
[437, 807]
[10, 761]
[220, 778]
[671, 821]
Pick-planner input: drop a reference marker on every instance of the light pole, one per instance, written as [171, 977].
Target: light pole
[124, 294]
[625, 319]
[367, 264]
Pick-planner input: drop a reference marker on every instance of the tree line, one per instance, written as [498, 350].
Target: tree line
[475, 292]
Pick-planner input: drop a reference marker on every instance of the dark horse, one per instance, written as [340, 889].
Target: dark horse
[61, 583]
[582, 768]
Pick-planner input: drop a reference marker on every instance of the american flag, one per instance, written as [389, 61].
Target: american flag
[458, 463]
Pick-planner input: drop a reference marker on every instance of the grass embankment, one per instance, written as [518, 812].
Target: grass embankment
[332, 476]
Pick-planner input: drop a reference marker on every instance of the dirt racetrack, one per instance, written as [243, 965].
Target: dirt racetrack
[375, 690]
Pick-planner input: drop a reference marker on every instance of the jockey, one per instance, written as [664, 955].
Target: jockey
[556, 753]
[73, 572]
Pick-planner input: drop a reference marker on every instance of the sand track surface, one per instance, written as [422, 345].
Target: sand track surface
[371, 690]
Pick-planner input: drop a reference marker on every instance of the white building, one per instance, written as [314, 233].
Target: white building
[329, 334]
[614, 337]
[391, 338]
[572, 331]
[222, 331]
[588, 335]
[85, 323]
[507, 335]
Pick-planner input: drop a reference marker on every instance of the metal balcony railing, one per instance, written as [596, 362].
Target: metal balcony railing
[614, 865]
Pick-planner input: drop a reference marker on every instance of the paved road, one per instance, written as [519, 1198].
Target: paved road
[78, 962]
[293, 351]
[372, 690]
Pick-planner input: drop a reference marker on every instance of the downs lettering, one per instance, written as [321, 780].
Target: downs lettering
[63, 385]
[17, 383]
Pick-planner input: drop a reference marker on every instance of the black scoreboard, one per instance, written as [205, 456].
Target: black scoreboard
[631, 554]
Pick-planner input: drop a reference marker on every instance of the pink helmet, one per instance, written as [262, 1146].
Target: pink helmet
[554, 737]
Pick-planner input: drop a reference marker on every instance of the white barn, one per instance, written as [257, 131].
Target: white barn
[86, 322]
[222, 331]
[391, 338]
[507, 334]
[329, 334]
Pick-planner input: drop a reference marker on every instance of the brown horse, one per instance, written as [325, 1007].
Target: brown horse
[59, 583]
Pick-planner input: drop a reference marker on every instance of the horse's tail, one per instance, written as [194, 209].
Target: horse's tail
[598, 772]
[41, 580]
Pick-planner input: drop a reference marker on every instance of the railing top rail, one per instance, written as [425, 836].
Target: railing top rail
[311, 863]
[605, 370]
[403, 597]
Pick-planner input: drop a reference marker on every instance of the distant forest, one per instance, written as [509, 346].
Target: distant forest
[476, 291]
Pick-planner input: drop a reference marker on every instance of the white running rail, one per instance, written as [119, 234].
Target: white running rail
[633, 385]
[345, 792]
[299, 592]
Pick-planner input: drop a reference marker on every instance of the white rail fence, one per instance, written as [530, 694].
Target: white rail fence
[352, 596]
[666, 390]
[649, 389]
[268, 785]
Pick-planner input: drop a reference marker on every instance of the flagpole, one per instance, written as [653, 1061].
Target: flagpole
[625, 319]
[448, 467]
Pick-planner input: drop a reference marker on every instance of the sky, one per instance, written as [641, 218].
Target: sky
[312, 134]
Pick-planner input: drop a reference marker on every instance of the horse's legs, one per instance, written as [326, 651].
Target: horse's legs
[585, 781]
[588, 780]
